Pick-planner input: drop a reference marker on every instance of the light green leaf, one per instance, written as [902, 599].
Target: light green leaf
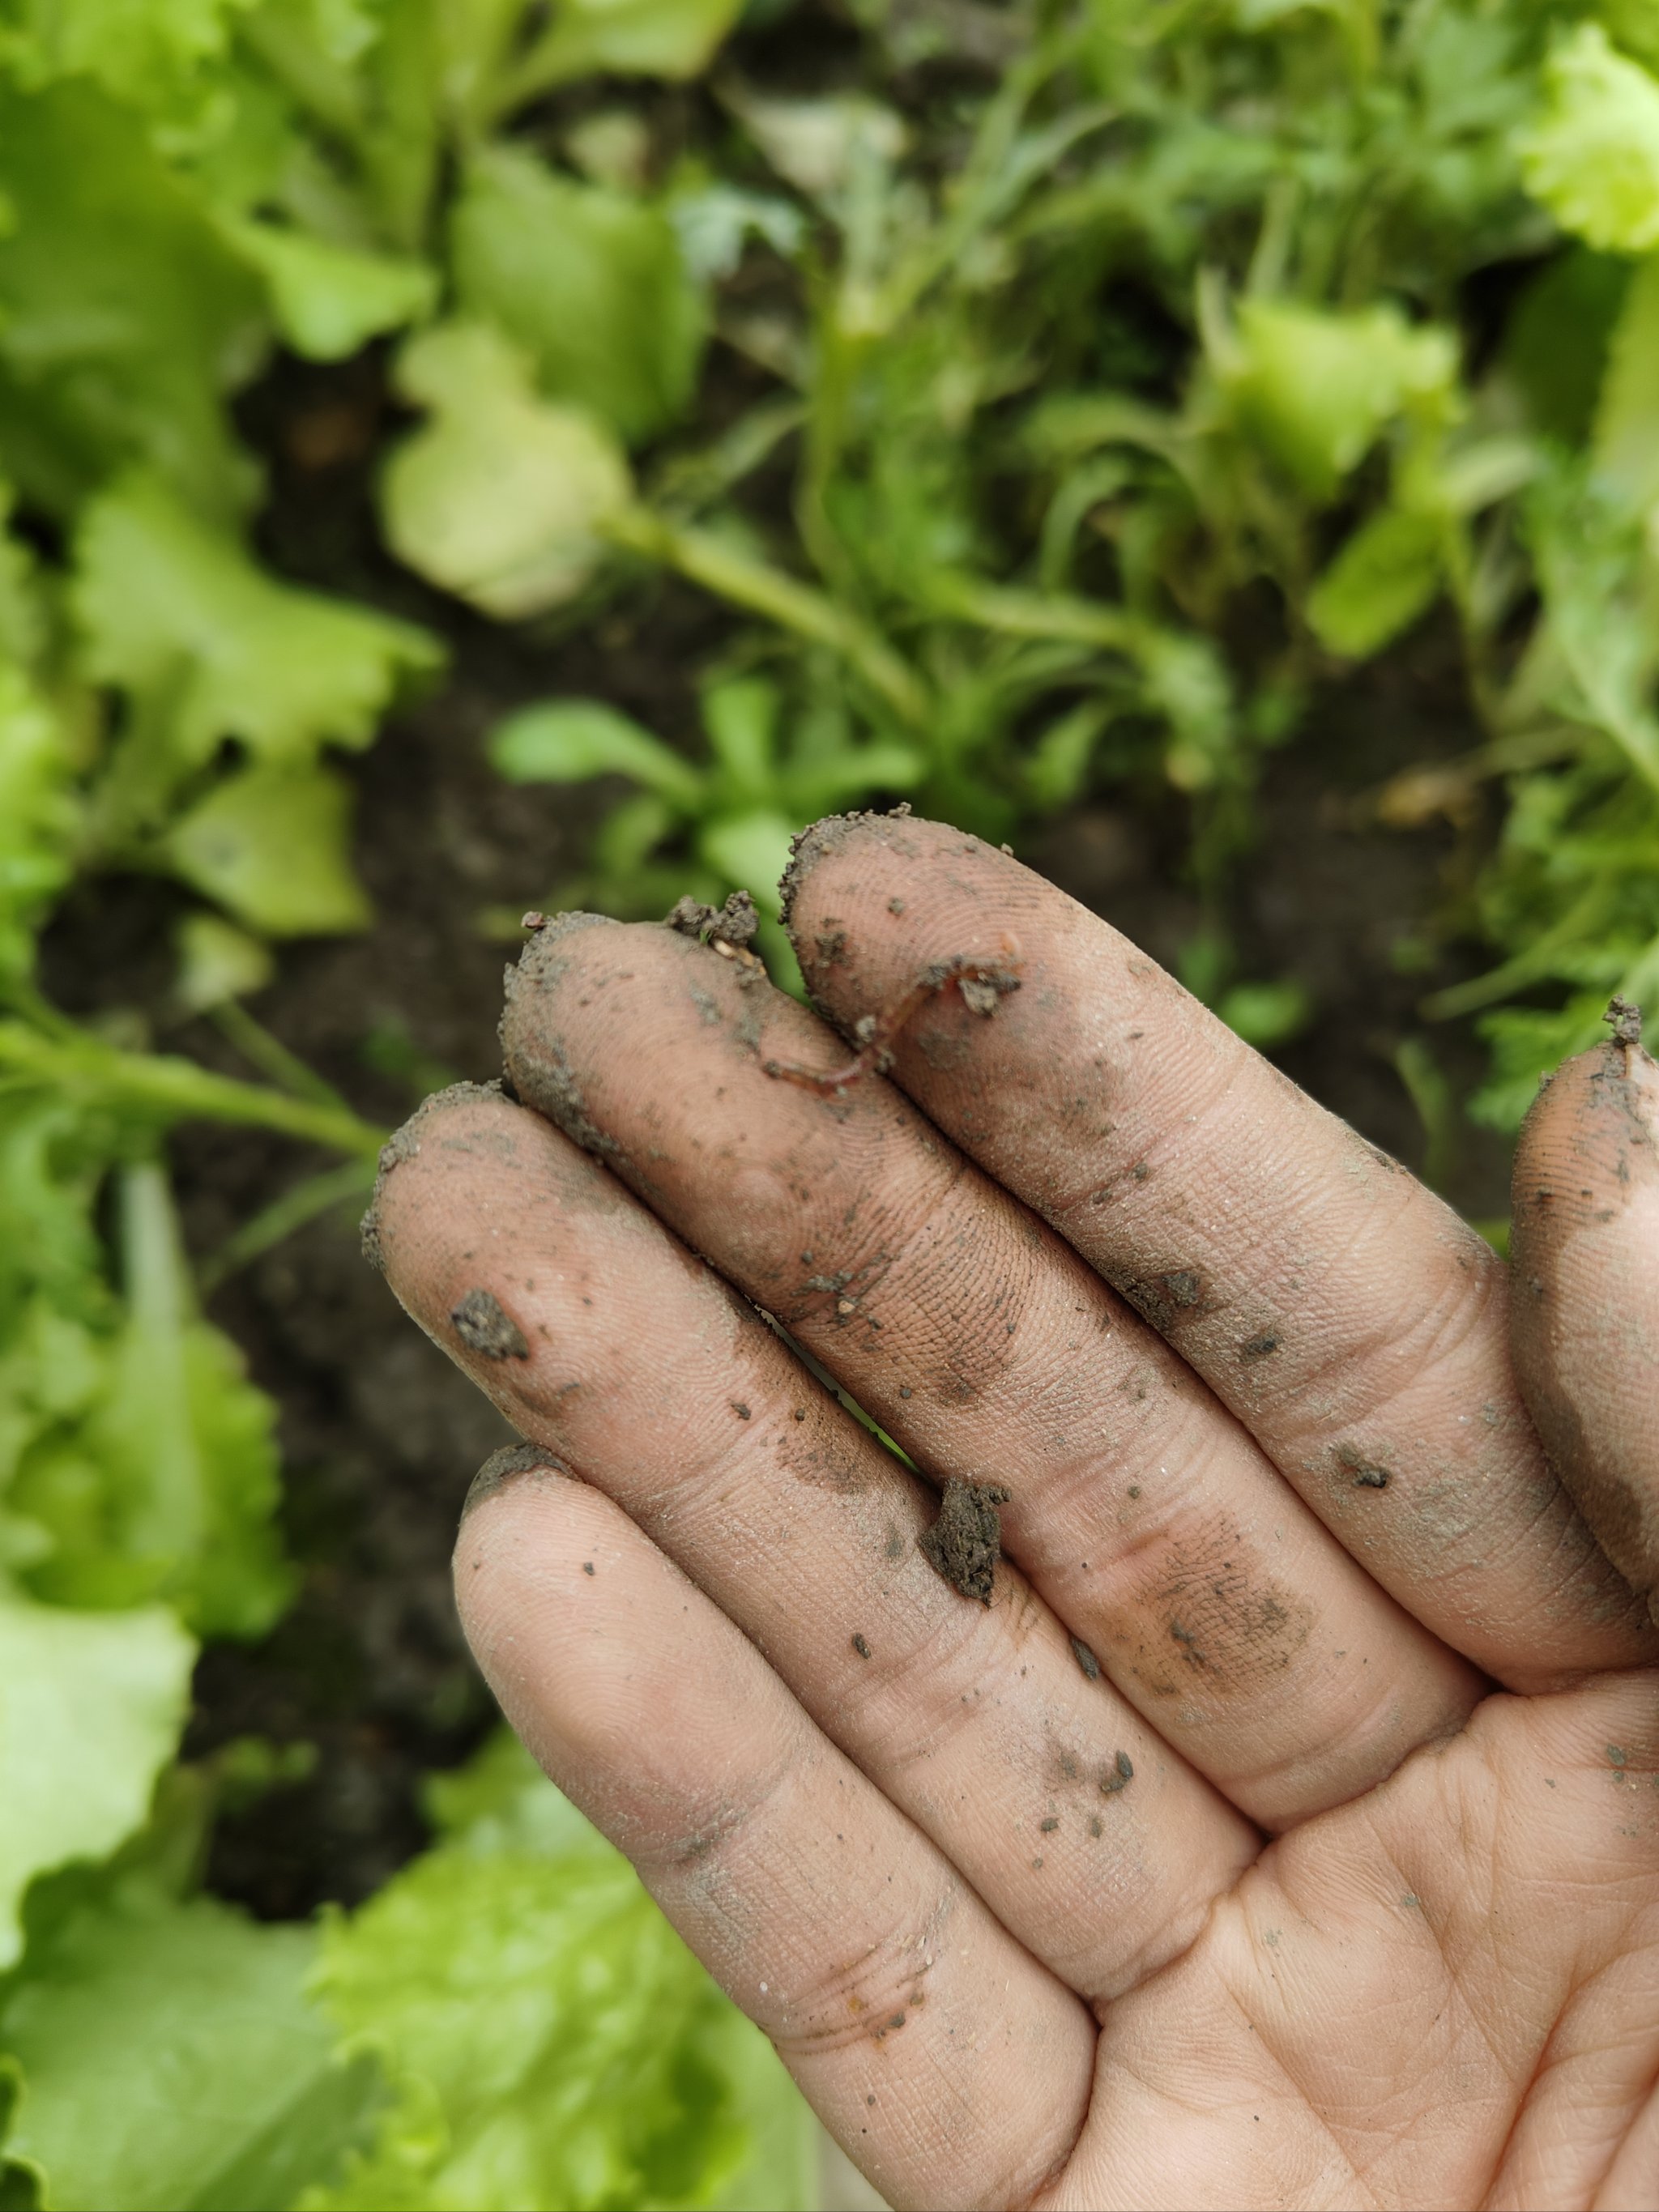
[139, 53]
[1318, 387]
[593, 286]
[1626, 446]
[1267, 1015]
[852, 778]
[629, 38]
[1058, 766]
[1592, 156]
[503, 497]
[38, 817]
[567, 740]
[173, 610]
[329, 300]
[552, 2043]
[171, 2061]
[750, 851]
[740, 715]
[168, 1487]
[217, 963]
[1386, 576]
[273, 844]
[126, 315]
[91, 1706]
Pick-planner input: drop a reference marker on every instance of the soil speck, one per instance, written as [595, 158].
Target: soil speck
[483, 1326]
[740, 1409]
[965, 1542]
[1086, 1658]
[862, 1647]
[1118, 1776]
[587, 1566]
[1258, 1347]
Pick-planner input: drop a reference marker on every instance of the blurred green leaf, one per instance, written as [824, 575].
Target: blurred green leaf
[127, 317]
[740, 715]
[217, 961]
[91, 1705]
[1592, 156]
[171, 2061]
[1386, 576]
[1267, 1015]
[552, 2043]
[174, 612]
[273, 846]
[567, 740]
[1318, 388]
[39, 816]
[160, 1478]
[503, 497]
[329, 300]
[625, 37]
[750, 850]
[1625, 448]
[590, 284]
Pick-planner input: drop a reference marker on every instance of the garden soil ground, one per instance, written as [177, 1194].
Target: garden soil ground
[380, 1434]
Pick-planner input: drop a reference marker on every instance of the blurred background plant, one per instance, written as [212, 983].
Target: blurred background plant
[1036, 408]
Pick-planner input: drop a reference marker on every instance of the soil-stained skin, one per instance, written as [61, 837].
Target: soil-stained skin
[1585, 1242]
[648, 1379]
[983, 1345]
[1346, 1315]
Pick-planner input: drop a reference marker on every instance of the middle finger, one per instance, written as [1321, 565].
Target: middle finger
[1217, 1601]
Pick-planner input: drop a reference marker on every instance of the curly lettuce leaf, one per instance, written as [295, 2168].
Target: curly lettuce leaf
[168, 2059]
[127, 317]
[153, 1473]
[170, 607]
[91, 1707]
[329, 299]
[273, 846]
[552, 2042]
[1318, 388]
[38, 817]
[501, 497]
[593, 286]
[1592, 154]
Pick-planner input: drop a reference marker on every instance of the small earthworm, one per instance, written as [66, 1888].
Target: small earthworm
[981, 983]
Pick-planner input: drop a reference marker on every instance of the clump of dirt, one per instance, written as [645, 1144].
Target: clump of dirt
[1086, 1658]
[965, 1542]
[485, 1326]
[733, 924]
[1118, 1776]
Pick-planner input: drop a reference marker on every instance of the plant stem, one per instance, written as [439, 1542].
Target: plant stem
[315, 1196]
[718, 566]
[175, 1088]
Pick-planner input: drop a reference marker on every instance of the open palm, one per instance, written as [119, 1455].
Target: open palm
[1285, 1827]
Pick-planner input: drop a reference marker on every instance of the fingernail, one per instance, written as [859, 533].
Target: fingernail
[505, 1466]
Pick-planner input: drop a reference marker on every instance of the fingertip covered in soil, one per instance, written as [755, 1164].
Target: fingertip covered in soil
[1584, 1317]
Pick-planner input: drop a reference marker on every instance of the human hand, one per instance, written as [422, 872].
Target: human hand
[1284, 1830]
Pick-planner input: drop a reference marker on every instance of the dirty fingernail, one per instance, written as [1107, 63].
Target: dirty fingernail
[505, 1466]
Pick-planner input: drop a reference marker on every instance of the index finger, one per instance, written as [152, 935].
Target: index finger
[1355, 1325]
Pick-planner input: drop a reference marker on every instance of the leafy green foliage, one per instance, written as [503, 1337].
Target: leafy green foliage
[591, 283]
[170, 2057]
[551, 2043]
[91, 1707]
[1058, 434]
[503, 497]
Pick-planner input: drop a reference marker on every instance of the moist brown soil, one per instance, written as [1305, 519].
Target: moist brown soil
[380, 1432]
[965, 1541]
